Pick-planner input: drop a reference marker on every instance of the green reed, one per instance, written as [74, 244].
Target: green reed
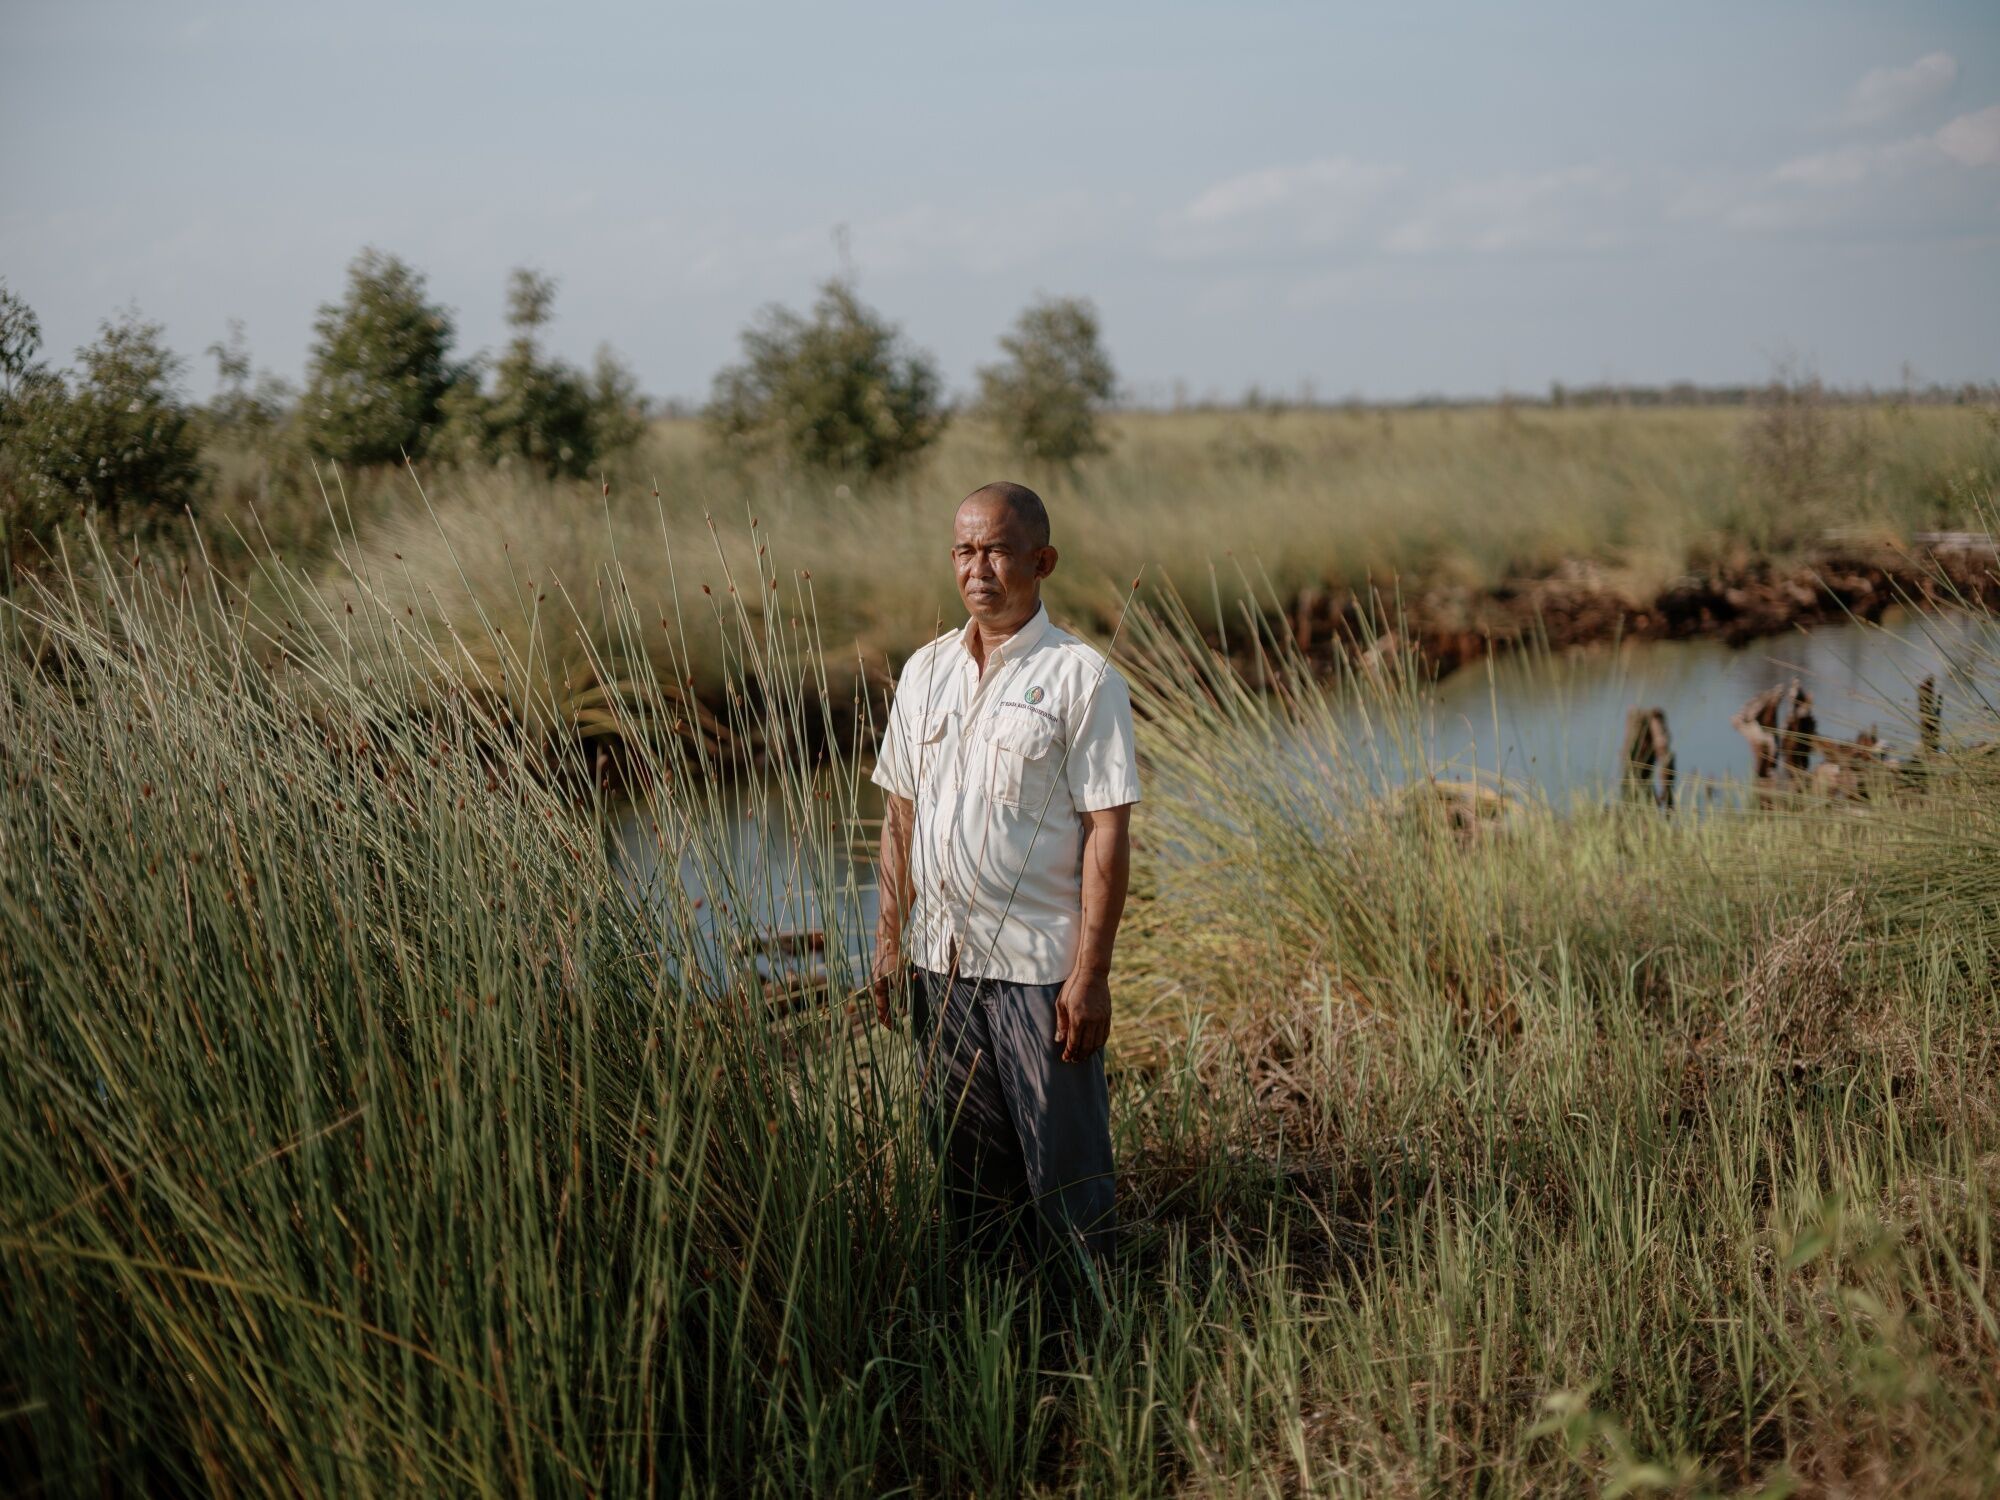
[371, 1120]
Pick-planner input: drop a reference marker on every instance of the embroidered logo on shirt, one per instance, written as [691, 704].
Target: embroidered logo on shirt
[1033, 695]
[1028, 708]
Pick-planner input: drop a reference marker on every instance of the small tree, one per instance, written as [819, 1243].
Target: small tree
[839, 390]
[380, 366]
[617, 408]
[25, 510]
[245, 405]
[540, 411]
[119, 441]
[543, 412]
[20, 342]
[1045, 397]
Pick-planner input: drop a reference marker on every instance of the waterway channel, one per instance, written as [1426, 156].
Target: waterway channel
[1551, 726]
[1556, 724]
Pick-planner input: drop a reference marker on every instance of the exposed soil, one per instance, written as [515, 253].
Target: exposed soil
[1577, 605]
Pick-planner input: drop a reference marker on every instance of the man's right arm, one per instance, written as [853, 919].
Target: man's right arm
[899, 817]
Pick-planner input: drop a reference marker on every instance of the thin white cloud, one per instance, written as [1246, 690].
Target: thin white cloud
[1847, 165]
[1827, 188]
[1973, 140]
[1332, 178]
[1563, 210]
[1918, 179]
[1311, 205]
[1884, 93]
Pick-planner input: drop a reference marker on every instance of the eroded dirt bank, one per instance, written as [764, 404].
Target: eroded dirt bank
[1578, 606]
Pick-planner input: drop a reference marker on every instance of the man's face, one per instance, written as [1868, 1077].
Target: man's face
[1000, 570]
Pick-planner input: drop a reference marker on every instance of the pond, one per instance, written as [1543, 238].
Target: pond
[1558, 725]
[1550, 724]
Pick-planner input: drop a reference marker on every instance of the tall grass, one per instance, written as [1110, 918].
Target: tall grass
[1441, 500]
[368, 1124]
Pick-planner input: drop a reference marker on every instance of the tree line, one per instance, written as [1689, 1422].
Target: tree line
[836, 388]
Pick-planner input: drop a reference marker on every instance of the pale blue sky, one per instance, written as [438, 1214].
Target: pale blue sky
[1378, 199]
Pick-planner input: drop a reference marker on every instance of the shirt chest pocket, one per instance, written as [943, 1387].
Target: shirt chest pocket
[1022, 754]
[931, 751]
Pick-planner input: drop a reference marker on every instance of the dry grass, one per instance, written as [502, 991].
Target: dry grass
[1221, 507]
[360, 1130]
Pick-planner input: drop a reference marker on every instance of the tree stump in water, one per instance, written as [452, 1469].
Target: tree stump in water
[1795, 745]
[1649, 758]
[1850, 768]
[1757, 722]
[1306, 611]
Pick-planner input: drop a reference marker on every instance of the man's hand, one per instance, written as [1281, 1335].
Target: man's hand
[886, 981]
[1083, 1015]
[1083, 1009]
[887, 976]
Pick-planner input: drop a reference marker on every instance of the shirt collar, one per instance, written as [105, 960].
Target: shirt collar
[1016, 645]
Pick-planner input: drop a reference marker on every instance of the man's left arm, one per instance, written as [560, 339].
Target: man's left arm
[1083, 1010]
[1102, 767]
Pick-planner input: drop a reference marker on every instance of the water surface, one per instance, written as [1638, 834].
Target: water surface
[1553, 724]
[1558, 724]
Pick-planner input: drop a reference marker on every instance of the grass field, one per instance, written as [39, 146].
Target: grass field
[361, 1133]
[1219, 506]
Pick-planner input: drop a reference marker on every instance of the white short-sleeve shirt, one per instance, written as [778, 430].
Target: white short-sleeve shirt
[999, 766]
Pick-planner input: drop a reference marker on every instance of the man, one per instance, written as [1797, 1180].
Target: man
[1009, 767]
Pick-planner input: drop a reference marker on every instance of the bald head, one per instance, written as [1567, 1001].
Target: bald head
[1001, 553]
[1021, 502]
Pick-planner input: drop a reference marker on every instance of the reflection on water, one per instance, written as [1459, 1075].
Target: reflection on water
[752, 880]
[1553, 724]
[1559, 724]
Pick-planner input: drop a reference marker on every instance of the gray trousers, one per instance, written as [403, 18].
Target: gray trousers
[1016, 1125]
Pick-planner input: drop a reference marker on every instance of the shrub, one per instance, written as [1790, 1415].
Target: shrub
[380, 367]
[617, 408]
[1810, 457]
[1046, 395]
[20, 373]
[838, 391]
[1788, 439]
[544, 413]
[541, 407]
[247, 406]
[119, 441]
[20, 342]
